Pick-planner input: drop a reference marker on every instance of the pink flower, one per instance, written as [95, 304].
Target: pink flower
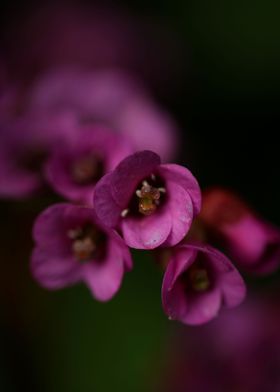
[71, 246]
[153, 203]
[74, 167]
[109, 97]
[198, 281]
[25, 144]
[250, 241]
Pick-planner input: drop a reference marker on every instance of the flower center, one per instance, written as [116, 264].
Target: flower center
[196, 278]
[87, 242]
[148, 197]
[199, 279]
[87, 169]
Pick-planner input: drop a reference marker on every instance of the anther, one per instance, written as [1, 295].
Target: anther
[74, 233]
[124, 213]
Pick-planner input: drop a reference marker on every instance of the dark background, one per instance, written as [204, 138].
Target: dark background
[225, 97]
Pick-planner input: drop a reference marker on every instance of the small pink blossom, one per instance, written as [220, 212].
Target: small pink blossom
[152, 203]
[74, 168]
[198, 281]
[250, 241]
[72, 246]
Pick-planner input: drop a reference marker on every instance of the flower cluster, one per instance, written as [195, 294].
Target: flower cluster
[140, 204]
[96, 138]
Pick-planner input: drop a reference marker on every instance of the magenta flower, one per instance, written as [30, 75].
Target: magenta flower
[152, 203]
[74, 168]
[25, 143]
[109, 97]
[72, 246]
[197, 282]
[250, 241]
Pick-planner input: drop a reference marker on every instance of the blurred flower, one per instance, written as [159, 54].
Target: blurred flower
[153, 203]
[92, 36]
[250, 241]
[25, 144]
[7, 93]
[74, 167]
[238, 351]
[71, 246]
[110, 97]
[197, 282]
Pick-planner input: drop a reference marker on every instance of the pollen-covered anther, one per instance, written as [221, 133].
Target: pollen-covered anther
[149, 198]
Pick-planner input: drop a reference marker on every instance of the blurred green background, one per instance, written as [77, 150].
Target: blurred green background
[225, 96]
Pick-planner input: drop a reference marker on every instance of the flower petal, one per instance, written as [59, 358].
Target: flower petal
[129, 173]
[146, 232]
[180, 207]
[54, 272]
[173, 292]
[202, 308]
[49, 229]
[104, 277]
[107, 211]
[182, 176]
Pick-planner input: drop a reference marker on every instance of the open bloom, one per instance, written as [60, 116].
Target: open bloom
[25, 144]
[250, 241]
[72, 246]
[197, 282]
[152, 203]
[109, 97]
[74, 168]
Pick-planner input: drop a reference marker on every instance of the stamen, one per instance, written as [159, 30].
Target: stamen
[149, 198]
[86, 242]
[153, 177]
[75, 233]
[83, 248]
[162, 190]
[124, 213]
